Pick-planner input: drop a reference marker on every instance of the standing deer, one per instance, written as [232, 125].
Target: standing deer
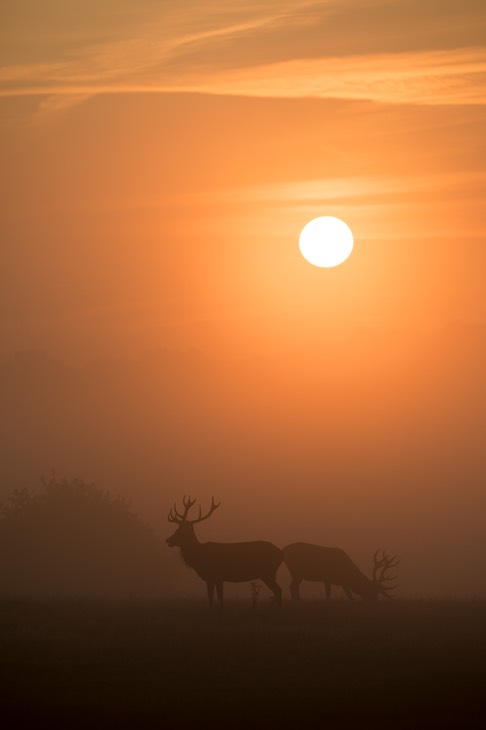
[334, 566]
[216, 562]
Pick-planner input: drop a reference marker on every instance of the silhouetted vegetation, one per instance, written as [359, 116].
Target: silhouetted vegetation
[72, 539]
[175, 664]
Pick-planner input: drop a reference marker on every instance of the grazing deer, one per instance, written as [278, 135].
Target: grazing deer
[334, 566]
[216, 562]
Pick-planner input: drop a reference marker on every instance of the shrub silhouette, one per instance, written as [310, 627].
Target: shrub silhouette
[72, 539]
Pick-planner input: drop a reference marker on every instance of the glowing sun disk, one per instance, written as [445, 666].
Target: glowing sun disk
[326, 241]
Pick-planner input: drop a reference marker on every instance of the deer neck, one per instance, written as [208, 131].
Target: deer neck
[361, 585]
[190, 550]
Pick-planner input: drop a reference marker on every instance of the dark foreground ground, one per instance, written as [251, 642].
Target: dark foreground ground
[395, 664]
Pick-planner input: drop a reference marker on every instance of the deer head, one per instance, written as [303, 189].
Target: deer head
[380, 566]
[185, 529]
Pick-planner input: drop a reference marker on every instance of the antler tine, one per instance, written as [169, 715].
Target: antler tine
[173, 517]
[383, 590]
[378, 563]
[200, 518]
[388, 562]
[176, 516]
[385, 562]
[188, 503]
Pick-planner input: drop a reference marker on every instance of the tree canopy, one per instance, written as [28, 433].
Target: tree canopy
[70, 538]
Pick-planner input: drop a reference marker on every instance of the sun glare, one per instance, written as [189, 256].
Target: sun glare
[326, 241]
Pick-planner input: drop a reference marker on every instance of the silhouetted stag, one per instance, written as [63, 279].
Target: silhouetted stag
[333, 566]
[216, 562]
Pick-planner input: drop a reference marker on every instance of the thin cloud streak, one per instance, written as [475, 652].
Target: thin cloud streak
[150, 45]
[427, 78]
[299, 190]
[345, 49]
[435, 77]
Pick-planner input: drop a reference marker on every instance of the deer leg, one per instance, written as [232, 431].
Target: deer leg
[348, 592]
[328, 590]
[275, 588]
[294, 588]
[219, 592]
[210, 587]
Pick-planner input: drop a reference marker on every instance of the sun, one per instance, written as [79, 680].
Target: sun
[326, 241]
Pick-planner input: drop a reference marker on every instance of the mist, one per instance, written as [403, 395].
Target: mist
[370, 441]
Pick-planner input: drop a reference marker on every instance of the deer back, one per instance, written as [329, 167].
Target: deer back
[237, 561]
[317, 563]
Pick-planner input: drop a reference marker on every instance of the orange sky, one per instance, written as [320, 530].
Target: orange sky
[158, 161]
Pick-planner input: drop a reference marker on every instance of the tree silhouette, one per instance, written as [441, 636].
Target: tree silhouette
[72, 539]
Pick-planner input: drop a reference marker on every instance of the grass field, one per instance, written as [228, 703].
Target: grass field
[174, 664]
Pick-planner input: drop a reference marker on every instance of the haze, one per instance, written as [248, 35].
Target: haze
[162, 334]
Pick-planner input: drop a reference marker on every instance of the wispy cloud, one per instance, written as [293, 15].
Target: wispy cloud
[56, 105]
[363, 187]
[434, 77]
[269, 49]
[120, 64]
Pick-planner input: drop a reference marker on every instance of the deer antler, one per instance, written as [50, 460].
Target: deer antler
[208, 514]
[382, 564]
[179, 519]
[175, 516]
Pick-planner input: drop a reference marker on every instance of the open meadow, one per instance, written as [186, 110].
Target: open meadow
[175, 664]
